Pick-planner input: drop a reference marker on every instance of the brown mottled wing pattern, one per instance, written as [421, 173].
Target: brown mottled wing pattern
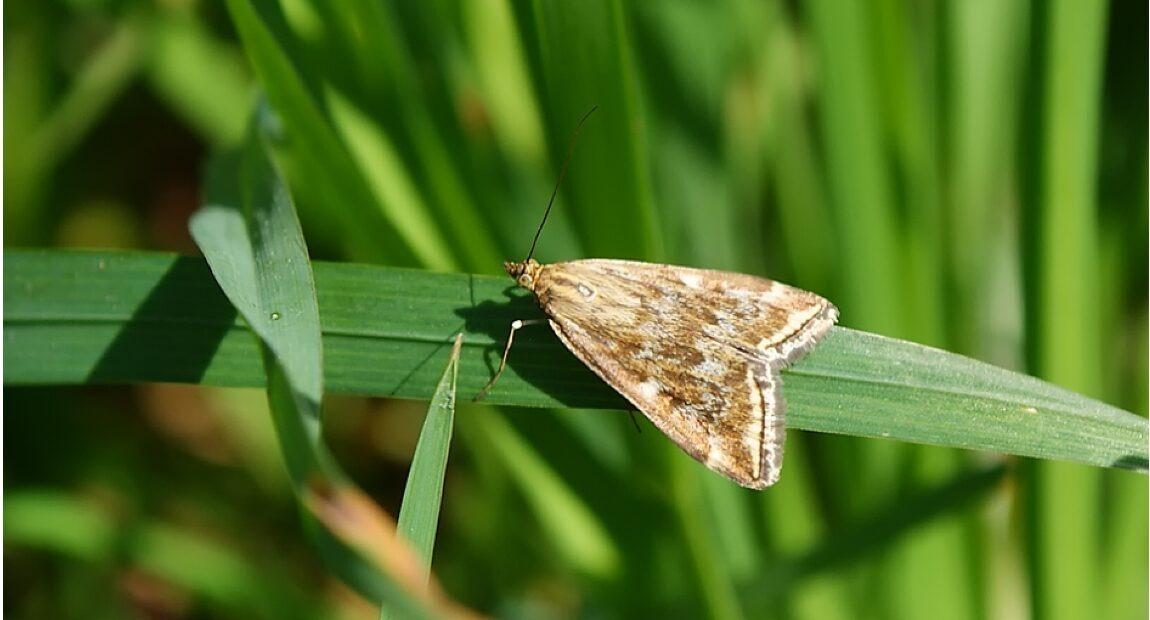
[697, 351]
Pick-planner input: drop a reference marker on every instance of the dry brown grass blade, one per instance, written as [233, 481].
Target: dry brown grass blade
[357, 521]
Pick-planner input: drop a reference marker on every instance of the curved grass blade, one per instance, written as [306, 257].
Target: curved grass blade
[254, 245]
[252, 239]
[96, 317]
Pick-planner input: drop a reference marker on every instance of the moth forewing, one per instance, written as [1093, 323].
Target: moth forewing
[696, 351]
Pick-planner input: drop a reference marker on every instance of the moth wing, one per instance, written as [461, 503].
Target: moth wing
[696, 351]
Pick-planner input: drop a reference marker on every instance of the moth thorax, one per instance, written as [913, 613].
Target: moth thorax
[523, 272]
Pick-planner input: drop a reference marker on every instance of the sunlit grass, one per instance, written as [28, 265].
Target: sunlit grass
[958, 174]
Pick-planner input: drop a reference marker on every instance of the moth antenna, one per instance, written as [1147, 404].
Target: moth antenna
[562, 173]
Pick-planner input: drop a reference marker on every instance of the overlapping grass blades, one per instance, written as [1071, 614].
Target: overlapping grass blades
[249, 232]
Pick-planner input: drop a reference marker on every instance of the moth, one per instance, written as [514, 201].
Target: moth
[698, 352]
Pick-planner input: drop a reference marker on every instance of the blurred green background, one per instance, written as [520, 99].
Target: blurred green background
[969, 175]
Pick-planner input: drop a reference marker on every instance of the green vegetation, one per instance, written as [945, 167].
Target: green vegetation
[966, 175]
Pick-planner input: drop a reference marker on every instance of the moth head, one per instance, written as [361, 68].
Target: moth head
[524, 272]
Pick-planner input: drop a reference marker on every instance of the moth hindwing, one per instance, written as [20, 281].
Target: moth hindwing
[696, 351]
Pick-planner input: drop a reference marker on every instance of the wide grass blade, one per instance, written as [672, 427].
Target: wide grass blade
[383, 327]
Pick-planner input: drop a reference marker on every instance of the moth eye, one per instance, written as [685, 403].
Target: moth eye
[524, 281]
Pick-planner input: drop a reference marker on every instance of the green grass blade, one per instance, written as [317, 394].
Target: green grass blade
[251, 237]
[86, 531]
[857, 180]
[901, 516]
[985, 53]
[106, 73]
[878, 531]
[419, 516]
[316, 148]
[968, 175]
[46, 134]
[386, 174]
[383, 326]
[186, 55]
[712, 575]
[254, 246]
[859, 187]
[574, 528]
[1067, 333]
[792, 161]
[586, 59]
[793, 511]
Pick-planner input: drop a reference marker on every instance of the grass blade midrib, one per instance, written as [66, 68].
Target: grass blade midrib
[863, 379]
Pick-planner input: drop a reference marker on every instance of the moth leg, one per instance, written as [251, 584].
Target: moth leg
[515, 326]
[635, 422]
